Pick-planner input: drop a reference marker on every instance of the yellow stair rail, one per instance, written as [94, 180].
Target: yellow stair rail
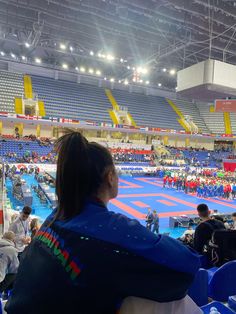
[113, 117]
[133, 123]
[112, 99]
[28, 87]
[181, 119]
[18, 106]
[41, 108]
[227, 122]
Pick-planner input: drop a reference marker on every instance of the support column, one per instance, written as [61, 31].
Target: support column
[187, 142]
[165, 140]
[38, 130]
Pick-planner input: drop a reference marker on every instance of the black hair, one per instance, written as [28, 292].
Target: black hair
[217, 217]
[27, 210]
[203, 210]
[81, 169]
[234, 214]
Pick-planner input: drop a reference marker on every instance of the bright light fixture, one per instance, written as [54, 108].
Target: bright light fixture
[147, 82]
[119, 81]
[71, 48]
[140, 81]
[110, 57]
[62, 46]
[37, 60]
[128, 67]
[82, 69]
[105, 78]
[112, 79]
[142, 70]
[91, 71]
[121, 60]
[164, 70]
[76, 68]
[65, 66]
[126, 82]
[13, 55]
[23, 57]
[159, 84]
[27, 45]
[91, 53]
[2, 53]
[98, 72]
[172, 72]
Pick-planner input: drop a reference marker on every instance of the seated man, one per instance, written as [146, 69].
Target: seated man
[8, 261]
[205, 229]
[21, 229]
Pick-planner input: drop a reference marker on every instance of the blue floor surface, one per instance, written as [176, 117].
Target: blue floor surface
[135, 196]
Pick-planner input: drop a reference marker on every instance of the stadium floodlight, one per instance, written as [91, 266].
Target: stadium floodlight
[112, 80]
[159, 84]
[105, 78]
[119, 81]
[172, 72]
[176, 88]
[2, 53]
[76, 68]
[126, 82]
[23, 58]
[27, 45]
[121, 60]
[164, 70]
[98, 72]
[141, 81]
[99, 55]
[71, 48]
[128, 67]
[110, 57]
[91, 71]
[13, 55]
[62, 46]
[65, 66]
[142, 70]
[38, 60]
[82, 69]
[147, 82]
[91, 53]
[133, 68]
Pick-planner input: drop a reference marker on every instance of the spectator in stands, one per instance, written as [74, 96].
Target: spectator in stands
[34, 227]
[206, 228]
[234, 221]
[8, 261]
[189, 233]
[88, 258]
[21, 228]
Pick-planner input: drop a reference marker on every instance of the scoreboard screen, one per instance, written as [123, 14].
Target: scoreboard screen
[225, 105]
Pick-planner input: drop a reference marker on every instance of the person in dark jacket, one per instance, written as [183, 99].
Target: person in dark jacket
[205, 229]
[86, 259]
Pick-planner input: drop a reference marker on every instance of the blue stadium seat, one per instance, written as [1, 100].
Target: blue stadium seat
[222, 282]
[199, 288]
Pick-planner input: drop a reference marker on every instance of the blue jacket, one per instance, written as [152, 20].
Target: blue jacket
[89, 263]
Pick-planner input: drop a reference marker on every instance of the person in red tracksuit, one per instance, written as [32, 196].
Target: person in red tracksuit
[170, 182]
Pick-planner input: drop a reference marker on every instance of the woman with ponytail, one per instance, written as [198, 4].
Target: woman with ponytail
[86, 259]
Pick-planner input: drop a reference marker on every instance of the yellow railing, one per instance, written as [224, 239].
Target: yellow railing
[28, 87]
[181, 119]
[227, 122]
[133, 123]
[18, 106]
[112, 100]
[113, 117]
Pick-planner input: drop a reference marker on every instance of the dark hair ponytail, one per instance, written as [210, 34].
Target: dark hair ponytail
[80, 172]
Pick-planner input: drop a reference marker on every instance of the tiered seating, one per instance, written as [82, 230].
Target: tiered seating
[214, 120]
[146, 110]
[72, 100]
[190, 109]
[11, 86]
[20, 147]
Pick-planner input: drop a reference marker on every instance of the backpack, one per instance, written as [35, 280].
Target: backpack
[222, 247]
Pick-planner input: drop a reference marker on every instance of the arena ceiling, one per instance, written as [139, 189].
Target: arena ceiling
[152, 34]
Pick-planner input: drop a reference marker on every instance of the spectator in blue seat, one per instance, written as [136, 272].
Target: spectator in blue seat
[206, 227]
[87, 259]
